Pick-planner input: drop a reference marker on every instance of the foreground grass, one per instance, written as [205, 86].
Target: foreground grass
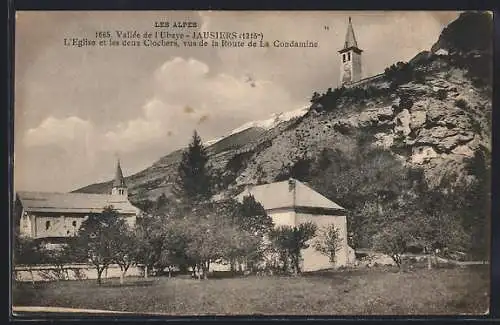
[375, 292]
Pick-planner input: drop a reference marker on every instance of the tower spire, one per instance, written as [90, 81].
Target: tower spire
[350, 38]
[119, 186]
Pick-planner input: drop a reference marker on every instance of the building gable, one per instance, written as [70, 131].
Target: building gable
[73, 202]
[290, 195]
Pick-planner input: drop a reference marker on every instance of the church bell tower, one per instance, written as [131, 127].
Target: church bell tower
[119, 186]
[350, 58]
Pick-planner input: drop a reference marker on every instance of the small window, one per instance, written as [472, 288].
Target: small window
[349, 56]
[47, 225]
[74, 223]
[343, 57]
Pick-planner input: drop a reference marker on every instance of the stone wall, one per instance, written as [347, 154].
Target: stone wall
[70, 272]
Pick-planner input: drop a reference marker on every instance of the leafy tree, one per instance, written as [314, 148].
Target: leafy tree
[251, 216]
[26, 251]
[289, 242]
[100, 239]
[477, 202]
[393, 240]
[207, 243]
[58, 258]
[329, 242]
[194, 182]
[125, 249]
[252, 225]
[399, 73]
[315, 97]
[244, 247]
[149, 242]
[363, 182]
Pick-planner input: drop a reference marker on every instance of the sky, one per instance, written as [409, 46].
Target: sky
[77, 109]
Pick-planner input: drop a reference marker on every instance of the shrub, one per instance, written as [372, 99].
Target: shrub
[405, 102]
[441, 94]
[420, 77]
[461, 103]
[399, 73]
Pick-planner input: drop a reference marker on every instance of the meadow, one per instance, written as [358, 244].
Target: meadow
[444, 291]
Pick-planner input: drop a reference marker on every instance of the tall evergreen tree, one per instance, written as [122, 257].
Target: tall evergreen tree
[195, 181]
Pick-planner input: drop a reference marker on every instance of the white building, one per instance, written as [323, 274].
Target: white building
[291, 203]
[52, 217]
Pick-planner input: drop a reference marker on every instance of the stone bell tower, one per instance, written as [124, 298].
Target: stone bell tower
[350, 58]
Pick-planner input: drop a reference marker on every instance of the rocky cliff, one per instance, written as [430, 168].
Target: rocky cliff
[434, 120]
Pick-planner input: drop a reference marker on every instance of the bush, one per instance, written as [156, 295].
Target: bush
[405, 102]
[461, 103]
[441, 94]
[399, 73]
[420, 77]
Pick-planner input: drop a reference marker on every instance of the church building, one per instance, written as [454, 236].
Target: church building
[52, 217]
[350, 58]
[291, 203]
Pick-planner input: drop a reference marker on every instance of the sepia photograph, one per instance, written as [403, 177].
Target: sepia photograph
[192, 163]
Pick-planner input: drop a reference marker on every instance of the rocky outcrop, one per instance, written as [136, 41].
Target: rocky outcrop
[435, 124]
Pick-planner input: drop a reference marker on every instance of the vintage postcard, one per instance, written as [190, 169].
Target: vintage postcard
[252, 163]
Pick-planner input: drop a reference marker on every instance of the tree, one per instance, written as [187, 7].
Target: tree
[477, 202]
[251, 216]
[248, 224]
[392, 240]
[149, 242]
[100, 239]
[207, 244]
[194, 182]
[176, 238]
[26, 251]
[289, 242]
[58, 258]
[125, 248]
[329, 242]
[315, 97]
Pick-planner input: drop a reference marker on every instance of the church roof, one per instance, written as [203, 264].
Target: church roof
[73, 202]
[119, 180]
[350, 38]
[288, 194]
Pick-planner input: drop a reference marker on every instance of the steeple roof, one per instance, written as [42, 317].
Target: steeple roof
[119, 179]
[350, 38]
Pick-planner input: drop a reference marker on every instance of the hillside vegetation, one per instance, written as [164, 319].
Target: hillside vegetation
[408, 151]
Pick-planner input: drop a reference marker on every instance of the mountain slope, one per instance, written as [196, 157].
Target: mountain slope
[435, 119]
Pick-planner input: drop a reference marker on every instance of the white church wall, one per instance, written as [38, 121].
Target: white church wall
[357, 73]
[60, 225]
[283, 217]
[57, 225]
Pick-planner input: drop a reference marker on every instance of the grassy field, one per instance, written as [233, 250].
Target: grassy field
[374, 292]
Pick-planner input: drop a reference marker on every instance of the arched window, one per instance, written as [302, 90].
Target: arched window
[343, 57]
[349, 56]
